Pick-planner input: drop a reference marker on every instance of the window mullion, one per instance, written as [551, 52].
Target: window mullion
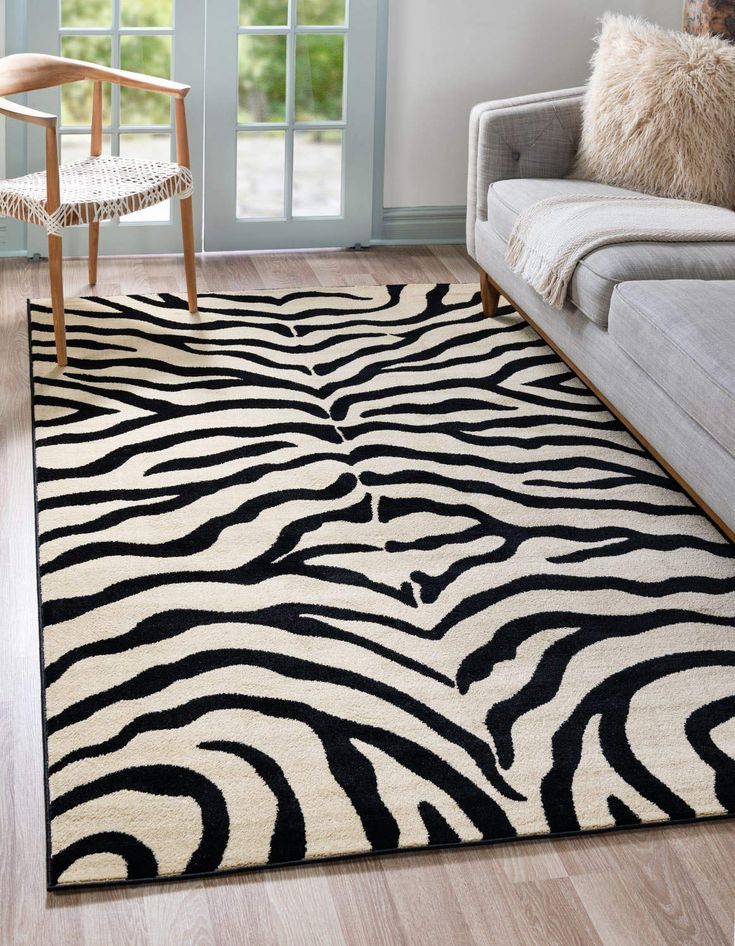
[290, 107]
[115, 117]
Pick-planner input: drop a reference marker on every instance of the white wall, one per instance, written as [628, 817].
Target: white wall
[446, 55]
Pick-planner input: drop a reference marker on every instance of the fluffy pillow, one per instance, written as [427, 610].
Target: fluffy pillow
[659, 113]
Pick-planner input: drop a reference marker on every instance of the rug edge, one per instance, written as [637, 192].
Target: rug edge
[385, 852]
[39, 605]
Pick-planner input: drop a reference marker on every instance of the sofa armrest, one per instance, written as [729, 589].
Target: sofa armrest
[531, 136]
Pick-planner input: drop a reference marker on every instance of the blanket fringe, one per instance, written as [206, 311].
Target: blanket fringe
[531, 266]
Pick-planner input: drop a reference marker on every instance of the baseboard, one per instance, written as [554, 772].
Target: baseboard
[399, 225]
[422, 225]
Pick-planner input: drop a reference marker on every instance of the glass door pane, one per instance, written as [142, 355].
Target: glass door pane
[320, 12]
[289, 144]
[319, 77]
[261, 172]
[161, 38]
[97, 13]
[317, 173]
[263, 12]
[261, 67]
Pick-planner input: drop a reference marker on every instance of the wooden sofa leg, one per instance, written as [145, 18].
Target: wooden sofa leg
[490, 295]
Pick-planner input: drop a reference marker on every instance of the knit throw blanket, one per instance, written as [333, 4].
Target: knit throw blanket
[553, 235]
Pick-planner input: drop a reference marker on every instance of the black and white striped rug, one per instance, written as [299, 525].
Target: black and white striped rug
[335, 571]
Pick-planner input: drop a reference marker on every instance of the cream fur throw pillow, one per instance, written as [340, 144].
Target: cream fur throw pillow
[659, 113]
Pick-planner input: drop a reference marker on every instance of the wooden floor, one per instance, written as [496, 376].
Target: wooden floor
[653, 887]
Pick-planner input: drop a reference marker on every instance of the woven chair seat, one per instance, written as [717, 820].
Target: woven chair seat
[96, 188]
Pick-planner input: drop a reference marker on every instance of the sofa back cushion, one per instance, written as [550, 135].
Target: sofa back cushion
[659, 113]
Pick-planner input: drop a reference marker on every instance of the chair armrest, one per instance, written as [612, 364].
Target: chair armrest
[132, 80]
[531, 136]
[26, 72]
[13, 110]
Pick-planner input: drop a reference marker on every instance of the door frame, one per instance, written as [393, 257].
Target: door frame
[222, 229]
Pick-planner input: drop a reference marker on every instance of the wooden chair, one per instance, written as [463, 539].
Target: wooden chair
[100, 187]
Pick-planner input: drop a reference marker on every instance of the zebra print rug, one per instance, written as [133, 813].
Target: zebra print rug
[337, 571]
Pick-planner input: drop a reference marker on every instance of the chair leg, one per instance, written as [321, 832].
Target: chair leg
[187, 233]
[489, 293]
[94, 246]
[57, 296]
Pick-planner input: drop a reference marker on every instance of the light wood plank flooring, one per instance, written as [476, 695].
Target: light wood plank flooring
[657, 887]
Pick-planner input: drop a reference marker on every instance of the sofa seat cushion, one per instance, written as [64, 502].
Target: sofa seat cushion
[599, 272]
[682, 334]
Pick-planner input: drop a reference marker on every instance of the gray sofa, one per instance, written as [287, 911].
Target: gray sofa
[650, 326]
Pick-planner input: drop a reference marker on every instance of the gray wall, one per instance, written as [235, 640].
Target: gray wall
[446, 55]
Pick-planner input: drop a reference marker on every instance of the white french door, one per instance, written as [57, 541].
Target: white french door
[281, 115]
[289, 123]
[161, 37]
